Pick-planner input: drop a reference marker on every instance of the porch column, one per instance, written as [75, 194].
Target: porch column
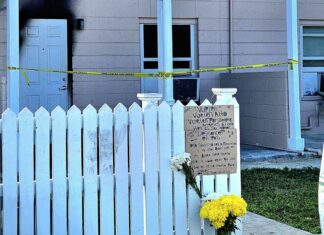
[164, 21]
[295, 142]
[13, 54]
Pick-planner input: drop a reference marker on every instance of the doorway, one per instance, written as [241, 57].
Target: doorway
[44, 47]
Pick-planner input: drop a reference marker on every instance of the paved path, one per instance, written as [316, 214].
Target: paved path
[254, 224]
[298, 162]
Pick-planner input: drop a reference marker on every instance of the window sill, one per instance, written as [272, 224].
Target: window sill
[312, 98]
[185, 77]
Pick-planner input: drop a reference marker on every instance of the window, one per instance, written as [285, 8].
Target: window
[183, 47]
[312, 51]
[184, 58]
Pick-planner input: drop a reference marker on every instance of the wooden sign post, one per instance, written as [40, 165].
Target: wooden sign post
[211, 139]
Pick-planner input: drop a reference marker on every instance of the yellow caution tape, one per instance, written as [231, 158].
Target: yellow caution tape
[290, 62]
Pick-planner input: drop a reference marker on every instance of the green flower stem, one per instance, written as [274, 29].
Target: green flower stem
[190, 178]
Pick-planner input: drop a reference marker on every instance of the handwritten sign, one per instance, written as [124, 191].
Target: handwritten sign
[211, 139]
[209, 117]
[212, 152]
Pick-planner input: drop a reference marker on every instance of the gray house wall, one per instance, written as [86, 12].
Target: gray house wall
[3, 56]
[111, 42]
[263, 99]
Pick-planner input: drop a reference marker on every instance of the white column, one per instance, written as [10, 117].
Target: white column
[148, 98]
[295, 142]
[167, 48]
[13, 54]
[160, 29]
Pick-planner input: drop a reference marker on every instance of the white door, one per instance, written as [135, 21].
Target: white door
[44, 47]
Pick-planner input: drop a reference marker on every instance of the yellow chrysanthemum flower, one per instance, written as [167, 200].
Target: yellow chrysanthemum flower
[218, 211]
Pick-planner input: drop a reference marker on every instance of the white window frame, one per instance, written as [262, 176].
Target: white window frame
[192, 59]
[305, 70]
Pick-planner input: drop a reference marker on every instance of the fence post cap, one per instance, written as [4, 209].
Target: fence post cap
[147, 98]
[224, 91]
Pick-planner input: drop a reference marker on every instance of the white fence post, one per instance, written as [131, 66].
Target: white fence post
[9, 174]
[225, 97]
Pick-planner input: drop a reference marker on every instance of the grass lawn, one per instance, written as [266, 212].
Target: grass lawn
[288, 196]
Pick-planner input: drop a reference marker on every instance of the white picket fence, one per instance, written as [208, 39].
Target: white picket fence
[105, 172]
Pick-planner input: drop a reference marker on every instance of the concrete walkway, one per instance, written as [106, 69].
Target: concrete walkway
[254, 224]
[280, 163]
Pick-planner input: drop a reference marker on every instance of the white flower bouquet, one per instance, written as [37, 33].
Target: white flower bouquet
[182, 162]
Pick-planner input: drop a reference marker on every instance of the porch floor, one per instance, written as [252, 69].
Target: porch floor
[314, 141]
[251, 153]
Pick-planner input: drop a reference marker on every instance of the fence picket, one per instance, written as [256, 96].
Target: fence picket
[136, 169]
[180, 197]
[166, 218]
[74, 171]
[42, 172]
[121, 169]
[194, 222]
[208, 187]
[151, 169]
[9, 173]
[235, 179]
[107, 219]
[90, 170]
[59, 171]
[26, 172]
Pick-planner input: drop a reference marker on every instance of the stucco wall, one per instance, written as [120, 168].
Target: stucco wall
[3, 55]
[263, 99]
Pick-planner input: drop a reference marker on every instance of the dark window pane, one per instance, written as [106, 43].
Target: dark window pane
[313, 63]
[181, 41]
[313, 30]
[181, 64]
[313, 46]
[185, 89]
[150, 41]
[151, 65]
